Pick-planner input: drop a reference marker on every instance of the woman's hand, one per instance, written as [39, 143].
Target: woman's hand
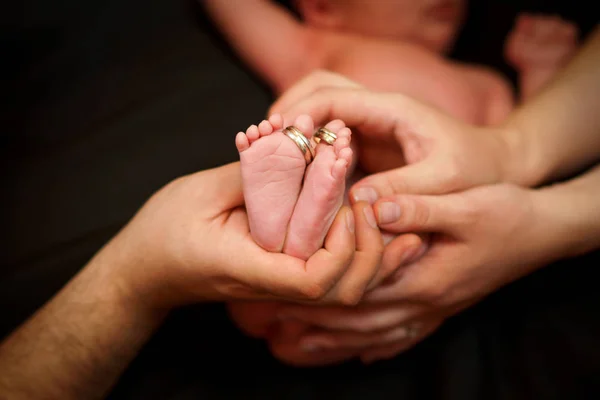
[482, 239]
[191, 242]
[443, 154]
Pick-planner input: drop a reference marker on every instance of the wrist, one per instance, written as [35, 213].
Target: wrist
[521, 164]
[132, 275]
[570, 215]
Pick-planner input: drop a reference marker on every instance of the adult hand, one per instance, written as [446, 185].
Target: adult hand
[314, 344]
[444, 155]
[191, 242]
[483, 239]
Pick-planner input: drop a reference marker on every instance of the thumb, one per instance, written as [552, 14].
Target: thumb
[416, 213]
[220, 186]
[423, 177]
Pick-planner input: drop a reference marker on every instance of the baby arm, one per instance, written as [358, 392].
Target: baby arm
[267, 37]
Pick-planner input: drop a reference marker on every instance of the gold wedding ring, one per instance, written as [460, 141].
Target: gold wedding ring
[326, 135]
[301, 141]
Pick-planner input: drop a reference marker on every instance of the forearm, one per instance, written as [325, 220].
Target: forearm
[78, 344]
[568, 215]
[265, 35]
[558, 132]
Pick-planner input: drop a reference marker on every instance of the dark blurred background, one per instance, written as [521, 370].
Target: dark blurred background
[104, 101]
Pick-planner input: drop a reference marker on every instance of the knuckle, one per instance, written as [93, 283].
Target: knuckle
[313, 291]
[347, 254]
[468, 213]
[419, 212]
[436, 295]
[399, 186]
[453, 176]
[376, 249]
[469, 217]
[350, 297]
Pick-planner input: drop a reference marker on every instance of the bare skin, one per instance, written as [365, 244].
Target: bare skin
[291, 207]
[401, 61]
[404, 57]
[538, 47]
[551, 137]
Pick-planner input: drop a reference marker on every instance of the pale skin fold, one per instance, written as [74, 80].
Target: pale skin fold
[103, 316]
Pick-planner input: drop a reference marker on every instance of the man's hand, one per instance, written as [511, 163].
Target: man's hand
[192, 242]
[189, 243]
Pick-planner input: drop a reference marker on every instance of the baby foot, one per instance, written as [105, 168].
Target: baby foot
[538, 47]
[321, 196]
[272, 172]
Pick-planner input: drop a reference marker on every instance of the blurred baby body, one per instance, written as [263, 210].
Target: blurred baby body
[390, 45]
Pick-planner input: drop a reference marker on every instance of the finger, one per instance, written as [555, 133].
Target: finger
[365, 319]
[367, 259]
[328, 265]
[415, 285]
[293, 354]
[371, 112]
[410, 213]
[424, 177]
[308, 85]
[291, 330]
[228, 196]
[283, 277]
[353, 340]
[425, 328]
[400, 252]
[255, 319]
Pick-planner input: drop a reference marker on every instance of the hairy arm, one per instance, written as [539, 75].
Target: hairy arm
[77, 345]
[267, 37]
[557, 133]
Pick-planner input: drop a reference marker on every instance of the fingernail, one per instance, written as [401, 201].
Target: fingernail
[370, 216]
[350, 221]
[365, 194]
[389, 212]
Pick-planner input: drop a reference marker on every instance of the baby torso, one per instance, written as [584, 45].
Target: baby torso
[464, 92]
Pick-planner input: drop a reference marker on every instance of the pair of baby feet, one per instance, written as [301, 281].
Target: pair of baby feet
[290, 205]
